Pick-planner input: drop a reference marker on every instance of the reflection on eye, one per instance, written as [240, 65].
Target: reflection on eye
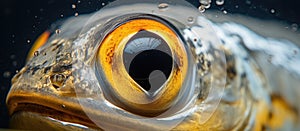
[145, 63]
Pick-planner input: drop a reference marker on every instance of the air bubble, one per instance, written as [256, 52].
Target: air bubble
[219, 2]
[294, 27]
[207, 6]
[84, 84]
[73, 6]
[103, 4]
[15, 63]
[201, 8]
[272, 11]
[57, 31]
[205, 2]
[248, 2]
[76, 14]
[6, 74]
[36, 53]
[190, 19]
[61, 15]
[12, 56]
[163, 6]
[225, 12]
[28, 41]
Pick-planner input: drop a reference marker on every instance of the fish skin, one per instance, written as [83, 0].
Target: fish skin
[249, 99]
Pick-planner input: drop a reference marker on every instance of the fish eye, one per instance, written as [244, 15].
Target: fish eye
[145, 63]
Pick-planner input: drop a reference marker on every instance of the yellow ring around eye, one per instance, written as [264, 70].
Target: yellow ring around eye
[40, 41]
[126, 91]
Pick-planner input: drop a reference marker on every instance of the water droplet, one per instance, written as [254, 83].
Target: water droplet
[76, 14]
[61, 15]
[103, 4]
[163, 6]
[201, 8]
[63, 106]
[6, 74]
[225, 12]
[219, 2]
[36, 53]
[190, 19]
[57, 31]
[28, 41]
[17, 71]
[73, 6]
[78, 1]
[294, 27]
[272, 11]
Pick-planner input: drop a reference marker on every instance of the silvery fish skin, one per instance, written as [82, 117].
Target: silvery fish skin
[238, 79]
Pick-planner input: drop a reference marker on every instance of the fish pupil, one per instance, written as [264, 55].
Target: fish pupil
[148, 60]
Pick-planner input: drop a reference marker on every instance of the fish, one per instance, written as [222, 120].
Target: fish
[159, 66]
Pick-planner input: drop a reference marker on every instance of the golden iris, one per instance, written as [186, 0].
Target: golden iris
[124, 87]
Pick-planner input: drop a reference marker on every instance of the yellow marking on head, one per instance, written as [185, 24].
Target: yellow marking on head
[40, 41]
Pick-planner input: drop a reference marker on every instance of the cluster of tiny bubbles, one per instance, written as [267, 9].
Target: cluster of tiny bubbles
[73, 6]
[13, 38]
[204, 4]
[163, 6]
[14, 62]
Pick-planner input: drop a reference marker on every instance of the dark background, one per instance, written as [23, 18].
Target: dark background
[22, 21]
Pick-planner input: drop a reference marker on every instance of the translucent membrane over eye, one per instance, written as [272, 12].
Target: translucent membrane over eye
[145, 64]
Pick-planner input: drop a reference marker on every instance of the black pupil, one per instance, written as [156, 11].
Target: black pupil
[148, 60]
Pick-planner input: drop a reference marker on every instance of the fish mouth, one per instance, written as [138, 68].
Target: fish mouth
[48, 110]
[31, 108]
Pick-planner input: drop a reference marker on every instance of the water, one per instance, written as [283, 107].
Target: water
[273, 52]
